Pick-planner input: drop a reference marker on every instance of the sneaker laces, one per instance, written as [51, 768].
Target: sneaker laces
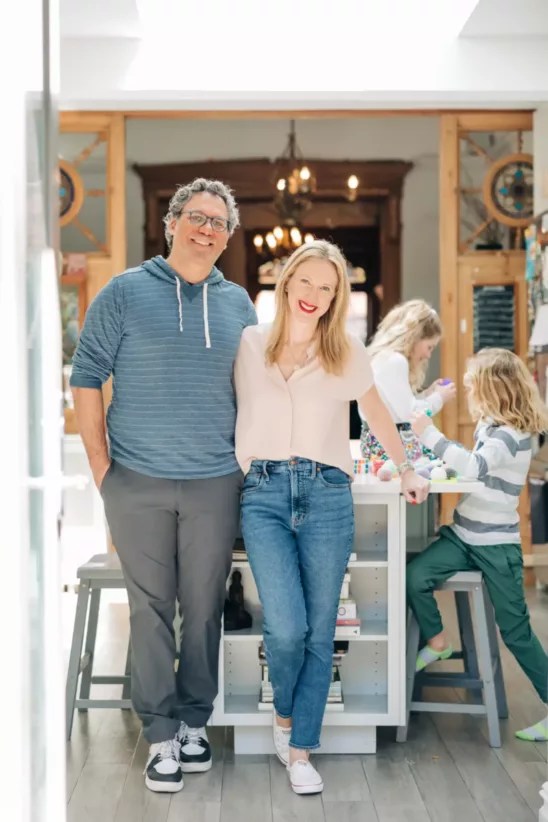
[168, 749]
[192, 735]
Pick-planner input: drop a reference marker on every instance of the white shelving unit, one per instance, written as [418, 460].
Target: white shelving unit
[373, 670]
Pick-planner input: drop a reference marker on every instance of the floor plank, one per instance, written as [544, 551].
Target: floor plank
[394, 791]
[443, 790]
[97, 793]
[246, 790]
[343, 811]
[493, 790]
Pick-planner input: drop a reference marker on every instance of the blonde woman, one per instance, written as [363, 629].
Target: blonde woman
[485, 534]
[294, 381]
[400, 352]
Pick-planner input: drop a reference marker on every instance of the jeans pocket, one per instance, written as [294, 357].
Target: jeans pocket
[333, 477]
[253, 480]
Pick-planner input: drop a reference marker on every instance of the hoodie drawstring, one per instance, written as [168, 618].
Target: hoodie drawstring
[206, 321]
[206, 316]
[178, 284]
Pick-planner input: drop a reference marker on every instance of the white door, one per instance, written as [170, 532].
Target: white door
[32, 759]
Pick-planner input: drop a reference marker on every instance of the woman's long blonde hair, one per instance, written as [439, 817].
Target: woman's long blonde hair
[501, 388]
[403, 327]
[332, 341]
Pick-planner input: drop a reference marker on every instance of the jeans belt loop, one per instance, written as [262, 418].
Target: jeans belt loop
[313, 469]
[264, 471]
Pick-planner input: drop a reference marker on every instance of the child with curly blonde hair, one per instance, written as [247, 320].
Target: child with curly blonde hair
[400, 352]
[485, 533]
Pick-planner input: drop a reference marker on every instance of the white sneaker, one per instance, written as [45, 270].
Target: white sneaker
[162, 771]
[281, 740]
[195, 750]
[304, 777]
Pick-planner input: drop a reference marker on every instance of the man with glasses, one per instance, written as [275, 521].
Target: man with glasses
[168, 332]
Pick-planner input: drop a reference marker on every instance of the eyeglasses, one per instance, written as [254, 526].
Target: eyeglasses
[197, 218]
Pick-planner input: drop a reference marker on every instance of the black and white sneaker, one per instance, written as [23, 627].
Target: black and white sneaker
[163, 771]
[195, 750]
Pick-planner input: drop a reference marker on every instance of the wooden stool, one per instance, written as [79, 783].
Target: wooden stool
[480, 654]
[101, 571]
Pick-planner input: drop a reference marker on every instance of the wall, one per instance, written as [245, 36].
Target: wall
[414, 139]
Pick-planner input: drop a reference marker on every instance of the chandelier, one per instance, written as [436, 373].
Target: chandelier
[295, 184]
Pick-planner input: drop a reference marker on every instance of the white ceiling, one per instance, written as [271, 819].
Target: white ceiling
[466, 18]
[273, 53]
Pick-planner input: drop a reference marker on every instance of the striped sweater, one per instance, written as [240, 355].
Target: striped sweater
[170, 347]
[500, 460]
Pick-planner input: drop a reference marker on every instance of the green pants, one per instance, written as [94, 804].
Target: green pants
[502, 569]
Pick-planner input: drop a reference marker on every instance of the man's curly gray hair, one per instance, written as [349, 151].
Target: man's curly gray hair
[197, 186]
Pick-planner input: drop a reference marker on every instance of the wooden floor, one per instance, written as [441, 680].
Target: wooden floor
[446, 772]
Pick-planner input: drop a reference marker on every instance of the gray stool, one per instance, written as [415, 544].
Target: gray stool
[102, 571]
[482, 673]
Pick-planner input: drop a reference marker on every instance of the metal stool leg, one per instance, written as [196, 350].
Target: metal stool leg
[75, 654]
[89, 650]
[500, 689]
[126, 690]
[479, 599]
[466, 630]
[413, 635]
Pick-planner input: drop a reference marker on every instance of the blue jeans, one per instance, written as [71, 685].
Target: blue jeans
[298, 528]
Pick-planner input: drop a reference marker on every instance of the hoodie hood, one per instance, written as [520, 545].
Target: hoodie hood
[159, 267]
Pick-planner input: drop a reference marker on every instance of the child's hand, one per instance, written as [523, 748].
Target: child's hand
[448, 391]
[419, 422]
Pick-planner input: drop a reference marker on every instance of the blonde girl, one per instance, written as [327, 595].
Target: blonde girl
[400, 352]
[485, 533]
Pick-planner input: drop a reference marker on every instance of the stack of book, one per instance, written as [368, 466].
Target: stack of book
[348, 622]
[335, 701]
[238, 551]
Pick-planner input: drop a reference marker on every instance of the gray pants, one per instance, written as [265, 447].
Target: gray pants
[175, 540]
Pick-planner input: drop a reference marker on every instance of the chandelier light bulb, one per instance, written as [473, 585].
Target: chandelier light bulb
[278, 233]
[258, 241]
[308, 237]
[352, 182]
[296, 237]
[280, 185]
[305, 174]
[271, 241]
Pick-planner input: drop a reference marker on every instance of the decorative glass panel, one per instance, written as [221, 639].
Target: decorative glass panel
[494, 317]
[82, 190]
[496, 189]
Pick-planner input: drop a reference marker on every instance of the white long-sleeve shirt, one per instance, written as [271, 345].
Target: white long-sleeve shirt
[391, 374]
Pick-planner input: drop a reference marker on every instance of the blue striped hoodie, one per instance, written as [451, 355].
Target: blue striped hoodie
[170, 347]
